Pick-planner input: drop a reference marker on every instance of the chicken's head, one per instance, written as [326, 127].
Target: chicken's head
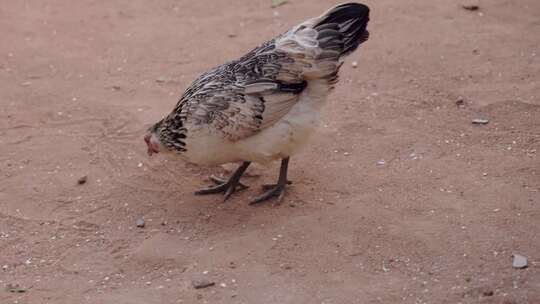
[165, 136]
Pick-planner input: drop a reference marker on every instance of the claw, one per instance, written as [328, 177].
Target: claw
[278, 191]
[227, 187]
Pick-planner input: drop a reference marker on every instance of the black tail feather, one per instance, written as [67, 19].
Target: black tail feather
[351, 20]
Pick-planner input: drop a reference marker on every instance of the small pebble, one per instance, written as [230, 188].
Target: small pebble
[140, 223]
[276, 3]
[519, 261]
[470, 7]
[15, 288]
[82, 180]
[460, 101]
[354, 64]
[199, 284]
[285, 266]
[480, 121]
[161, 79]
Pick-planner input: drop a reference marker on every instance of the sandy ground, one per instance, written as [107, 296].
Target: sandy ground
[399, 199]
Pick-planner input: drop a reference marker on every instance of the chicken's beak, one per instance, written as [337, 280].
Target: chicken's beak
[153, 146]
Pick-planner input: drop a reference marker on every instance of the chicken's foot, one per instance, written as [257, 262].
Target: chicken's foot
[277, 190]
[227, 187]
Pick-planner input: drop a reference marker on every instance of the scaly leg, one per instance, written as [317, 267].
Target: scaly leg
[277, 189]
[227, 187]
[272, 186]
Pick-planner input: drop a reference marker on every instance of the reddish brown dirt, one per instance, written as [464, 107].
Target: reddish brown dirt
[80, 81]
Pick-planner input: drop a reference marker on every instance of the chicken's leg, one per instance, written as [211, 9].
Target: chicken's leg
[227, 187]
[279, 188]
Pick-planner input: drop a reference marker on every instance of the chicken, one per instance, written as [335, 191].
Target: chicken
[265, 105]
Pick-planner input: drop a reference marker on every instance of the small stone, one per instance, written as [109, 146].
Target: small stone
[488, 293]
[381, 162]
[519, 261]
[161, 79]
[140, 223]
[82, 180]
[354, 64]
[286, 267]
[232, 35]
[480, 121]
[199, 284]
[276, 3]
[460, 101]
[470, 6]
[15, 288]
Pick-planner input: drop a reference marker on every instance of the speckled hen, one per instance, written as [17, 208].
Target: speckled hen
[265, 105]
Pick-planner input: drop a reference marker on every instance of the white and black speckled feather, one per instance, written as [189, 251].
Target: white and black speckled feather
[264, 105]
